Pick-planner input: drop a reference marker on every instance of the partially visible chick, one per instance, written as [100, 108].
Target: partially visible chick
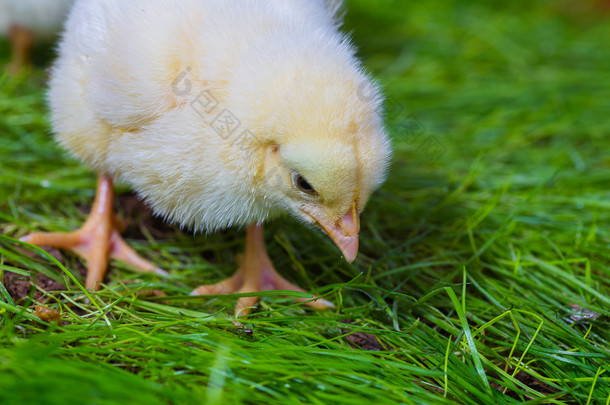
[219, 114]
[25, 21]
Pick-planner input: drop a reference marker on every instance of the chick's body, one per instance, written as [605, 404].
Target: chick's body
[223, 113]
[118, 105]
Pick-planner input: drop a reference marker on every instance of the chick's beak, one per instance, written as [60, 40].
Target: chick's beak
[344, 232]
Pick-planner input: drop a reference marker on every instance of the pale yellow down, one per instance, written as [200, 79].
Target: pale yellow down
[132, 95]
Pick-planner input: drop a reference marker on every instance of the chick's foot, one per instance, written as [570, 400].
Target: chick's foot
[255, 274]
[98, 240]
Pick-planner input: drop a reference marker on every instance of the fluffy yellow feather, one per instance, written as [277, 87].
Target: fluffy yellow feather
[224, 113]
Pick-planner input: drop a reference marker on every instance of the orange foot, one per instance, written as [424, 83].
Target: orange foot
[22, 41]
[98, 240]
[255, 274]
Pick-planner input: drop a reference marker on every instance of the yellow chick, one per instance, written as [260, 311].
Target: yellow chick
[219, 114]
[24, 21]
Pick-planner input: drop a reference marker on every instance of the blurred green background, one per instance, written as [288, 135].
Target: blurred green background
[483, 275]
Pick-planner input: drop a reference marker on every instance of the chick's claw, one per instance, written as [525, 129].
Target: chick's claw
[97, 240]
[255, 274]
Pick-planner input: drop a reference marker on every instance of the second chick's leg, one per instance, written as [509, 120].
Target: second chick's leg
[22, 41]
[98, 240]
[256, 273]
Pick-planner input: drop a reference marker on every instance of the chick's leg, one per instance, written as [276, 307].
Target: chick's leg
[98, 240]
[22, 41]
[256, 273]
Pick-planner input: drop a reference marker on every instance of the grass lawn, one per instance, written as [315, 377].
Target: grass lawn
[484, 270]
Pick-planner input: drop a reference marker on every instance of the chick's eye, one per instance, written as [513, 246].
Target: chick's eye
[302, 185]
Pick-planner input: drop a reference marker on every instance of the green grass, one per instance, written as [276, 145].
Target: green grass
[490, 233]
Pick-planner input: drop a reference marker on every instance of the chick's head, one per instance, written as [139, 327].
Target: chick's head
[326, 152]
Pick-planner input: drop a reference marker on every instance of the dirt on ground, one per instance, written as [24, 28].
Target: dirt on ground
[133, 216]
[364, 341]
[136, 215]
[19, 287]
[529, 381]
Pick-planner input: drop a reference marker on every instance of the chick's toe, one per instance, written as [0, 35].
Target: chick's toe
[97, 240]
[255, 274]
